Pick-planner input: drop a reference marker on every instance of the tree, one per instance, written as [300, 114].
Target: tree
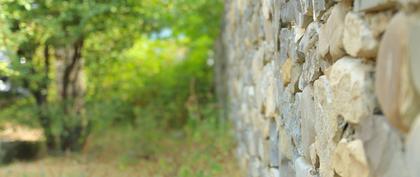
[53, 41]
[51, 32]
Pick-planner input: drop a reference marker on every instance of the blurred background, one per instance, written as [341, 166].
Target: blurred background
[111, 88]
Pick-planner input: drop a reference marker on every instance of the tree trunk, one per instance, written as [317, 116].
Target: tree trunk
[71, 87]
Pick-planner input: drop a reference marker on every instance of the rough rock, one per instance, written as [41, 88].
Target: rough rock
[325, 126]
[286, 72]
[322, 88]
[349, 159]
[383, 147]
[352, 86]
[394, 88]
[307, 108]
[309, 38]
[358, 39]
[331, 33]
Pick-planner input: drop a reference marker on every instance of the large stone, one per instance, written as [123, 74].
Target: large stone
[358, 39]
[413, 149]
[352, 84]
[331, 33]
[307, 109]
[383, 147]
[394, 88]
[326, 126]
[267, 91]
[349, 159]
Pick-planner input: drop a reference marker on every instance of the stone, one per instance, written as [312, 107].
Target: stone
[273, 146]
[286, 168]
[349, 159]
[311, 69]
[285, 144]
[318, 7]
[414, 44]
[307, 109]
[394, 88]
[314, 155]
[358, 39]
[303, 168]
[378, 22]
[306, 7]
[373, 5]
[383, 147]
[412, 156]
[267, 91]
[331, 33]
[289, 12]
[305, 98]
[286, 72]
[309, 38]
[274, 172]
[267, 8]
[285, 35]
[352, 85]
[326, 126]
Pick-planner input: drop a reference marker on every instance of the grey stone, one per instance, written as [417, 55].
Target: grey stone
[307, 109]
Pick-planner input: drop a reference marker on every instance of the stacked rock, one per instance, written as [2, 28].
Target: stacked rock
[324, 88]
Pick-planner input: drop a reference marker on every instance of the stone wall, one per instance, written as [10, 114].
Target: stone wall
[323, 87]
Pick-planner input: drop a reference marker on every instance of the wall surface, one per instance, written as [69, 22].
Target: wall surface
[323, 87]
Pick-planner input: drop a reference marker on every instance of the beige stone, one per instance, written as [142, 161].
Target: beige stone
[285, 144]
[267, 8]
[286, 71]
[352, 86]
[358, 39]
[331, 33]
[378, 22]
[394, 88]
[383, 147]
[314, 155]
[349, 159]
[325, 126]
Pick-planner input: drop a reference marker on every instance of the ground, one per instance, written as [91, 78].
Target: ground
[128, 152]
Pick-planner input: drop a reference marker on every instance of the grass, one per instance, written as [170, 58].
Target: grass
[204, 151]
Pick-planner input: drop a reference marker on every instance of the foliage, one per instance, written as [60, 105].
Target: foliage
[146, 62]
